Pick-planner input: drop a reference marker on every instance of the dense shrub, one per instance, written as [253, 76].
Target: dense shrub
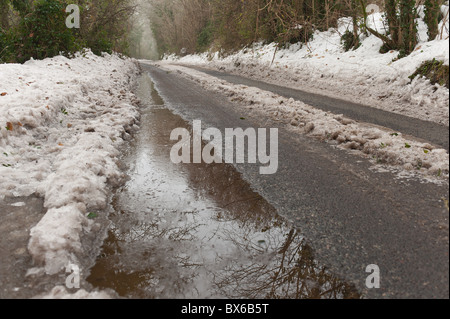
[101, 43]
[205, 38]
[3, 46]
[349, 41]
[43, 32]
[432, 15]
[435, 71]
[37, 29]
[40, 33]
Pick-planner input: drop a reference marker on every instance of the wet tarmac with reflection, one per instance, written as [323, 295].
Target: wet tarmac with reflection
[199, 231]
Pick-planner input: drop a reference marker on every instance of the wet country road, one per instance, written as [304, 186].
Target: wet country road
[348, 215]
[431, 132]
[199, 231]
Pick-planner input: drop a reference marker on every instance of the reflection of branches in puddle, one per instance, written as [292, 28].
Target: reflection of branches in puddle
[157, 282]
[254, 213]
[243, 238]
[226, 187]
[138, 231]
[147, 260]
[285, 270]
[247, 200]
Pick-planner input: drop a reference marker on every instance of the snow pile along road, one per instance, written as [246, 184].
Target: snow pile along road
[408, 157]
[61, 124]
[362, 76]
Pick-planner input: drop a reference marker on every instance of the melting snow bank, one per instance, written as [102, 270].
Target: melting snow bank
[62, 122]
[361, 76]
[408, 157]
[60, 292]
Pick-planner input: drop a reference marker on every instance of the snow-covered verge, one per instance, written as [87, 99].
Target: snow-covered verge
[406, 156]
[363, 75]
[62, 122]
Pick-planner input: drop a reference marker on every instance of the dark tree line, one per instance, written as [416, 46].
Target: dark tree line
[36, 28]
[233, 24]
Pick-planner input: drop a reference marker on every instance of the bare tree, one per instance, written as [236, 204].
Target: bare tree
[177, 23]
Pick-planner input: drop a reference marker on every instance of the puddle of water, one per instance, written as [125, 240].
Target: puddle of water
[199, 231]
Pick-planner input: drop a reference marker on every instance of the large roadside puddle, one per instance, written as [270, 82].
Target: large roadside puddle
[199, 231]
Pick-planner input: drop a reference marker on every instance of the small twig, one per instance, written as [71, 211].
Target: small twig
[274, 54]
[444, 22]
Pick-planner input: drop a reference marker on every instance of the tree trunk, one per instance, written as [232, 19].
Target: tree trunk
[432, 11]
[354, 12]
[392, 17]
[408, 28]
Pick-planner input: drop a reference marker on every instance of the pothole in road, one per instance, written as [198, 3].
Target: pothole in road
[199, 231]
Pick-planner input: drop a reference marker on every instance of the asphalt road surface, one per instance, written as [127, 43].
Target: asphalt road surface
[351, 215]
[429, 131]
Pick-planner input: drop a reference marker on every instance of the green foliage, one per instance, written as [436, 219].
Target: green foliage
[37, 28]
[3, 44]
[408, 26]
[435, 71]
[7, 47]
[22, 6]
[349, 41]
[392, 18]
[40, 34]
[100, 43]
[432, 13]
[205, 38]
[92, 215]
[401, 17]
[385, 48]
[43, 32]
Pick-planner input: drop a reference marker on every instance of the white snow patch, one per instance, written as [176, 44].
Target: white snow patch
[61, 124]
[61, 293]
[18, 204]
